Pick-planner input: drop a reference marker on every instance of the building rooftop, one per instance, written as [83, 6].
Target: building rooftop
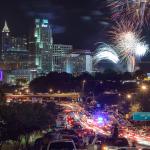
[5, 29]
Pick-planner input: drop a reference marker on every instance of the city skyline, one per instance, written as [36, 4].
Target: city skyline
[68, 19]
[81, 24]
[7, 28]
[74, 74]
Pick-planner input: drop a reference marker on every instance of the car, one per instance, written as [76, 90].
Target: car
[70, 137]
[105, 143]
[78, 141]
[95, 143]
[62, 145]
[116, 144]
[68, 132]
[54, 135]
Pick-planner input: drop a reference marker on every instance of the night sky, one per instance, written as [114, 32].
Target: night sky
[78, 22]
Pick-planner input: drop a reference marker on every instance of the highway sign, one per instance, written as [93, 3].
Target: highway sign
[141, 116]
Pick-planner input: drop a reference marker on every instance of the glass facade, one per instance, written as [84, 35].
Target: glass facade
[60, 54]
[6, 41]
[49, 56]
[44, 40]
[18, 43]
[80, 61]
[14, 52]
[14, 75]
[17, 59]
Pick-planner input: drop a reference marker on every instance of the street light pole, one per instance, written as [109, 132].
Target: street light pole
[144, 88]
[93, 97]
[83, 86]
[51, 90]
[144, 91]
[130, 97]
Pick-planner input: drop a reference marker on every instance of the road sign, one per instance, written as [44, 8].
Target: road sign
[141, 116]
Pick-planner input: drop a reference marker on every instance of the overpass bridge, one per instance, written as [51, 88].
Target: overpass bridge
[31, 96]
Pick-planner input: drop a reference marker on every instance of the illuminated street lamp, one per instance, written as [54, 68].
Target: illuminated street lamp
[58, 91]
[19, 93]
[50, 90]
[83, 86]
[84, 81]
[143, 87]
[129, 96]
[27, 91]
[93, 97]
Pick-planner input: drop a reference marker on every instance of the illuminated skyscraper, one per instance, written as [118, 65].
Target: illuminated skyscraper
[44, 40]
[14, 52]
[6, 40]
[60, 55]
[19, 43]
[15, 57]
[49, 56]
[80, 61]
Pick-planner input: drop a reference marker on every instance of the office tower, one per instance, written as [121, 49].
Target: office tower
[43, 37]
[25, 74]
[17, 56]
[60, 55]
[6, 41]
[80, 61]
[49, 56]
[18, 43]
[14, 52]
[32, 48]
[17, 59]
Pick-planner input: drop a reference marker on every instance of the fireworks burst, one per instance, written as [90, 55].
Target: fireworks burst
[125, 37]
[141, 49]
[137, 10]
[105, 52]
[129, 43]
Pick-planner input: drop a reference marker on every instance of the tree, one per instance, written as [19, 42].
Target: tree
[2, 132]
[24, 119]
[2, 97]
[57, 81]
[127, 76]
[21, 81]
[139, 74]
[53, 112]
[143, 98]
[135, 107]
[109, 74]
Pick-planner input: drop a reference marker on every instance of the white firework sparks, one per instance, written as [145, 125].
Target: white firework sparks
[105, 52]
[136, 10]
[141, 49]
[129, 43]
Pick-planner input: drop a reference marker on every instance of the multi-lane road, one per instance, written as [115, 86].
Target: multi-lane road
[102, 126]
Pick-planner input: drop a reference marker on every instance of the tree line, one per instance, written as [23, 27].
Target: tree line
[18, 121]
[68, 83]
